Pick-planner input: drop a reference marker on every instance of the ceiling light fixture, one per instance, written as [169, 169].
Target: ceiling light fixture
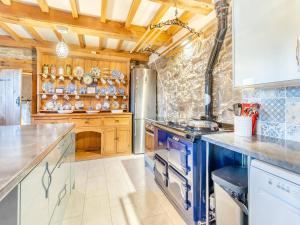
[176, 22]
[62, 49]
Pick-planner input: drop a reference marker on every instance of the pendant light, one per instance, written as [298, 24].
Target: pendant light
[62, 49]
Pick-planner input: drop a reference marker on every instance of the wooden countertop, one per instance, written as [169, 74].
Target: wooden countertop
[279, 152]
[23, 147]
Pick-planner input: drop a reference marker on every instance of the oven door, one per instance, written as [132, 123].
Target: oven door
[160, 171]
[180, 189]
[179, 156]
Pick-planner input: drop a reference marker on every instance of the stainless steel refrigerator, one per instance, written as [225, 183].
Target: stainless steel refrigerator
[142, 104]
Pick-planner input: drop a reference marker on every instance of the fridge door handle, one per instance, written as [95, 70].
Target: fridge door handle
[134, 128]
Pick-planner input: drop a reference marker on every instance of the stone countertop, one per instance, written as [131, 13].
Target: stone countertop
[23, 147]
[279, 152]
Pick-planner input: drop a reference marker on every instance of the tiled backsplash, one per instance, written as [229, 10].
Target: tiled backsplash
[279, 113]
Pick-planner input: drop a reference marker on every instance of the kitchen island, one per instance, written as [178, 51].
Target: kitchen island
[36, 172]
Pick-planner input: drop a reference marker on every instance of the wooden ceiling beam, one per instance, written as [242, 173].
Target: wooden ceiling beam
[43, 5]
[8, 30]
[157, 17]
[120, 44]
[58, 35]
[103, 11]
[32, 16]
[133, 9]
[197, 6]
[102, 43]
[50, 46]
[6, 2]
[35, 35]
[81, 40]
[74, 7]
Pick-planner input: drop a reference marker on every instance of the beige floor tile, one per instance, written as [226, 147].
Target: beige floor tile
[161, 219]
[75, 205]
[125, 215]
[73, 221]
[96, 186]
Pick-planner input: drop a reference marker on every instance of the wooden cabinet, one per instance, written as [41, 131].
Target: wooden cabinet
[123, 140]
[109, 147]
[98, 135]
[49, 186]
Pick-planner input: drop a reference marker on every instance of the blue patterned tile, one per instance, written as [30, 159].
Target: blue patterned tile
[273, 110]
[293, 132]
[293, 92]
[275, 130]
[272, 93]
[293, 110]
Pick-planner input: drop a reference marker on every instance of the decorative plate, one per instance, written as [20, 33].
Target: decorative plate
[98, 106]
[95, 71]
[123, 106]
[79, 105]
[115, 73]
[115, 105]
[65, 111]
[67, 106]
[49, 105]
[48, 87]
[78, 71]
[88, 78]
[105, 105]
[82, 90]
[102, 91]
[112, 90]
[121, 91]
[71, 88]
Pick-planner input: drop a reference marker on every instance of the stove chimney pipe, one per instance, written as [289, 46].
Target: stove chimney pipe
[221, 7]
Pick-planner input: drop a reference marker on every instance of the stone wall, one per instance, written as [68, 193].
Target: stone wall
[181, 91]
[181, 81]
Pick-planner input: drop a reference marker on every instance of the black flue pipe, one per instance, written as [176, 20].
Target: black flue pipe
[221, 7]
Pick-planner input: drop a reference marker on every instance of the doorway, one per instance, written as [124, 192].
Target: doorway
[10, 102]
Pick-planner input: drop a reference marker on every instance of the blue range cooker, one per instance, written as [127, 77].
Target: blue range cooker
[180, 168]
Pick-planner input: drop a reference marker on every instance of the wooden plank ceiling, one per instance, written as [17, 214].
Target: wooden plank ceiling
[108, 27]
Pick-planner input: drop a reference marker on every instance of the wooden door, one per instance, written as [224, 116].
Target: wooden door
[109, 141]
[10, 88]
[123, 140]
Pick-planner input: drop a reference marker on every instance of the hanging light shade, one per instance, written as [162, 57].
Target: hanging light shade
[62, 49]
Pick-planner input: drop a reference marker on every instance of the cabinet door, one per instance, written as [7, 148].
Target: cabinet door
[123, 140]
[34, 201]
[109, 141]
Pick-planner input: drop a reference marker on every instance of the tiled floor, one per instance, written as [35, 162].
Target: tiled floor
[118, 191]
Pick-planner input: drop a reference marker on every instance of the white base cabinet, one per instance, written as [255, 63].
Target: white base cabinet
[46, 189]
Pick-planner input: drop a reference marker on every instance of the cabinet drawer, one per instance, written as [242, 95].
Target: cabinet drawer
[111, 121]
[51, 121]
[88, 122]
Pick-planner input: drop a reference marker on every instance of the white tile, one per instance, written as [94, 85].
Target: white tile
[91, 41]
[112, 43]
[2, 32]
[71, 38]
[46, 33]
[145, 13]
[60, 4]
[117, 10]
[126, 215]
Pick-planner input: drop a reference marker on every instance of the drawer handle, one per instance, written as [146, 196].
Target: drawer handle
[117, 121]
[86, 122]
[49, 180]
[60, 198]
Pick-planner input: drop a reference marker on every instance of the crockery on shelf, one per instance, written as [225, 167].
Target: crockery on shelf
[79, 105]
[124, 97]
[112, 90]
[66, 97]
[61, 78]
[82, 90]
[97, 96]
[55, 97]
[53, 77]
[114, 97]
[53, 70]
[65, 111]
[71, 88]
[106, 97]
[44, 96]
[59, 90]
[95, 71]
[88, 78]
[77, 97]
[102, 91]
[115, 105]
[50, 105]
[118, 81]
[61, 70]
[91, 90]
[103, 81]
[115, 73]
[121, 91]
[68, 70]
[123, 106]
[45, 69]
[67, 106]
[110, 82]
[105, 105]
[98, 106]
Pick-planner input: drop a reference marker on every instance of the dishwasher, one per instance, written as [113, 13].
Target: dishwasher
[274, 195]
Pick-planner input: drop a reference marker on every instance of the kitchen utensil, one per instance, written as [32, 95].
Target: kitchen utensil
[237, 109]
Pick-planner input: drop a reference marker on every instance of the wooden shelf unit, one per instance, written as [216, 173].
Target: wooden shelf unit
[87, 63]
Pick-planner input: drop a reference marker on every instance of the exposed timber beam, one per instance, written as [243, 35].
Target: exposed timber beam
[43, 5]
[81, 40]
[133, 9]
[74, 7]
[8, 30]
[31, 15]
[6, 2]
[103, 11]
